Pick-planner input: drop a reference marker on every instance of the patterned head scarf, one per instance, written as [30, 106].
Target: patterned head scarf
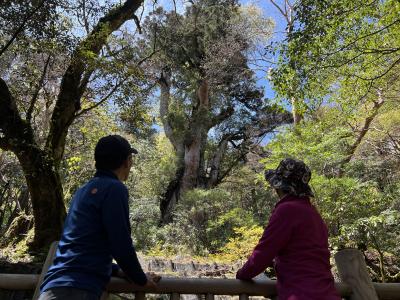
[292, 177]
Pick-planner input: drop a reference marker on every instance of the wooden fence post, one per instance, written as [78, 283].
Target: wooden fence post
[353, 271]
[49, 260]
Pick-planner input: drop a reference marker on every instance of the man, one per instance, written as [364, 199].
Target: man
[97, 229]
[296, 237]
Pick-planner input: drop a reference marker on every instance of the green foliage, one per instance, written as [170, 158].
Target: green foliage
[340, 48]
[340, 61]
[154, 166]
[343, 200]
[381, 231]
[144, 216]
[223, 227]
[321, 143]
[241, 244]
[78, 163]
[194, 212]
[205, 220]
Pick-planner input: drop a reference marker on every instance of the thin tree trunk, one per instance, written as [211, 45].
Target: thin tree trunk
[3, 203]
[296, 112]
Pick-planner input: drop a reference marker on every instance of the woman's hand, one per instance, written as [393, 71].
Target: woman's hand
[152, 280]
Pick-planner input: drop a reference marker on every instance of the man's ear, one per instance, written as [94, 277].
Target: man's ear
[125, 164]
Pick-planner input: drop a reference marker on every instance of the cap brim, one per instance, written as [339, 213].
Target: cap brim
[134, 151]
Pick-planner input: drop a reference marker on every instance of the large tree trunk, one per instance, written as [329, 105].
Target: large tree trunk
[188, 171]
[171, 197]
[190, 149]
[186, 178]
[46, 193]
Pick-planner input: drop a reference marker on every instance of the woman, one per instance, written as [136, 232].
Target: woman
[296, 238]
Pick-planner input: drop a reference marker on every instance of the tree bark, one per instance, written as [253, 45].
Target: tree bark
[187, 175]
[18, 209]
[216, 164]
[171, 133]
[195, 137]
[45, 189]
[171, 197]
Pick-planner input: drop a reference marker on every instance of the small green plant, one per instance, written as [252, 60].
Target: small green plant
[241, 245]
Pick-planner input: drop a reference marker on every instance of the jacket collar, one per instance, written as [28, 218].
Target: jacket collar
[288, 198]
[105, 173]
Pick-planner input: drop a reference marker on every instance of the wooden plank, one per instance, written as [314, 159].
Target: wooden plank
[140, 296]
[175, 296]
[353, 271]
[18, 281]
[387, 291]
[243, 297]
[49, 260]
[209, 296]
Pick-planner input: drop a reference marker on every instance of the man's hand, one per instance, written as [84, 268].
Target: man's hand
[152, 280]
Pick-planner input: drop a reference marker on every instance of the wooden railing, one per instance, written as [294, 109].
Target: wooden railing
[356, 284]
[172, 286]
[208, 287]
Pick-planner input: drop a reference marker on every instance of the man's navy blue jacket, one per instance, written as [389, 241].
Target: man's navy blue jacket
[96, 229]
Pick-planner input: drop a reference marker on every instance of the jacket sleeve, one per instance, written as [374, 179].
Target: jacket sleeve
[115, 215]
[275, 237]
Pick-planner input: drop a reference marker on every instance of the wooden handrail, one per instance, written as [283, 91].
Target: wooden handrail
[171, 285]
[215, 286]
[387, 291]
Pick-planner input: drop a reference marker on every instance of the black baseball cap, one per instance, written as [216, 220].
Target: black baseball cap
[111, 151]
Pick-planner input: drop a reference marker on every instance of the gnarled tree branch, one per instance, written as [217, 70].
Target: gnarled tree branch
[104, 99]
[71, 90]
[365, 128]
[37, 91]
[165, 85]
